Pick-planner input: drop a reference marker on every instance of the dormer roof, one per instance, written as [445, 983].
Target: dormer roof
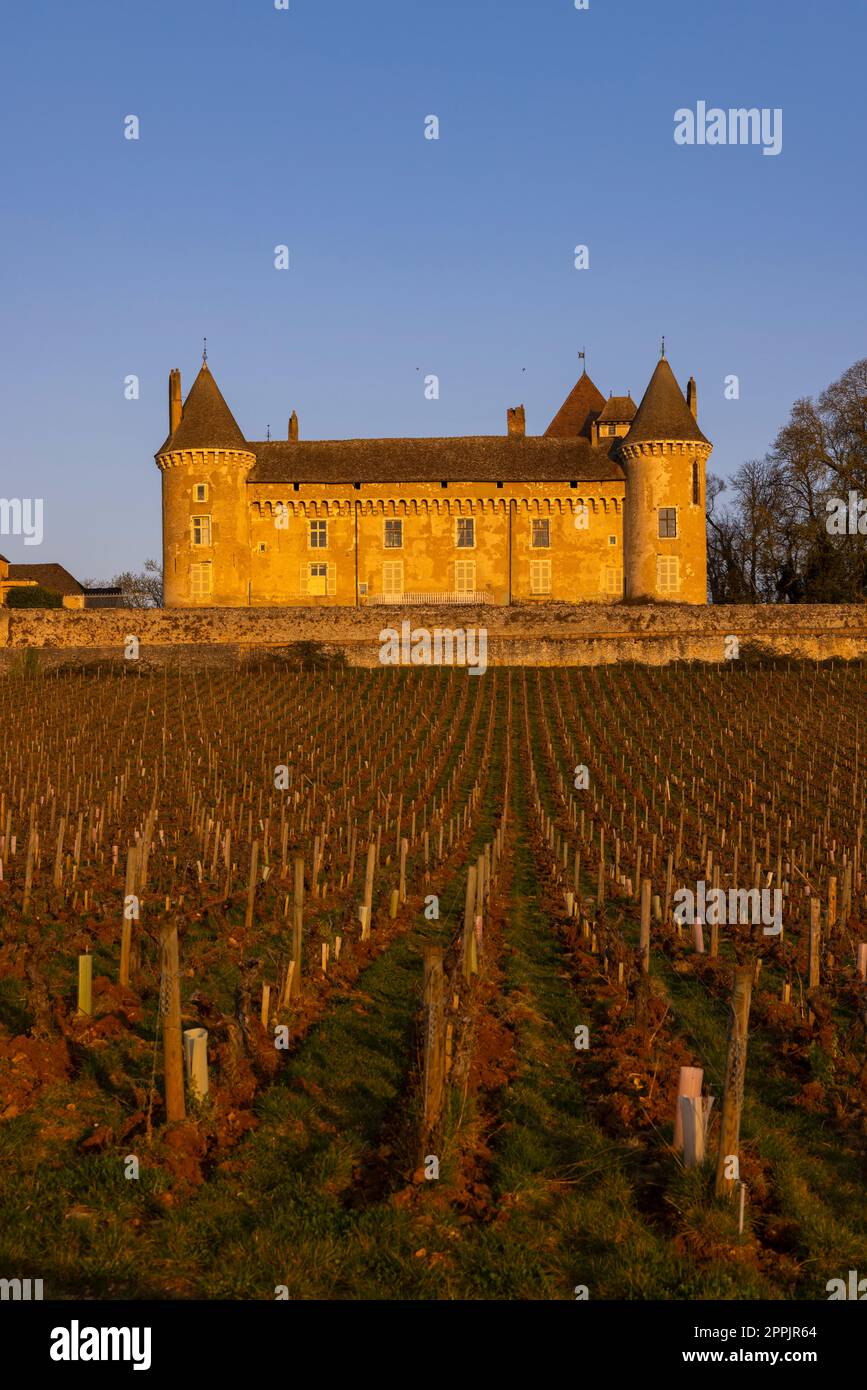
[618, 410]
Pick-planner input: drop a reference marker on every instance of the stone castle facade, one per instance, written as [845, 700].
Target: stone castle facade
[608, 503]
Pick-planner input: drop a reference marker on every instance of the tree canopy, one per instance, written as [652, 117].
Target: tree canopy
[792, 527]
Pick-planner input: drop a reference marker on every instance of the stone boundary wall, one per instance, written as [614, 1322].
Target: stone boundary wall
[544, 634]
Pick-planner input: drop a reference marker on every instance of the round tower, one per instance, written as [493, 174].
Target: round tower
[665, 456]
[204, 463]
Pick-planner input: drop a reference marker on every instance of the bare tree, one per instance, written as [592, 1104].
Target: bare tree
[140, 590]
[772, 542]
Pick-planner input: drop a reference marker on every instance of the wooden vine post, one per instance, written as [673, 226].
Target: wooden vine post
[129, 913]
[669, 875]
[57, 877]
[832, 901]
[733, 1092]
[170, 1005]
[251, 885]
[815, 944]
[434, 1050]
[469, 953]
[404, 848]
[32, 838]
[645, 925]
[297, 928]
[367, 906]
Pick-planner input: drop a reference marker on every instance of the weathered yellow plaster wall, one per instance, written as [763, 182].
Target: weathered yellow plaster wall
[224, 473]
[660, 475]
[502, 554]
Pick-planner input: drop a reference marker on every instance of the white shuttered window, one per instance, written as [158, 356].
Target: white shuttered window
[540, 576]
[465, 576]
[392, 578]
[200, 580]
[612, 580]
[667, 574]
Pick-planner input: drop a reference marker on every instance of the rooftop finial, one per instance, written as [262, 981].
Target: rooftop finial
[268, 432]
[662, 350]
[204, 350]
[582, 357]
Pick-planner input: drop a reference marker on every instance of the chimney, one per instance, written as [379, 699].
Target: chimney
[516, 422]
[293, 427]
[175, 402]
[691, 397]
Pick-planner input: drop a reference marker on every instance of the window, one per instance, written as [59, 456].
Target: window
[201, 528]
[465, 576]
[667, 523]
[200, 580]
[262, 547]
[612, 429]
[465, 533]
[393, 535]
[318, 535]
[667, 574]
[392, 578]
[317, 582]
[540, 576]
[541, 538]
[612, 580]
[612, 540]
[201, 492]
[696, 484]
[318, 579]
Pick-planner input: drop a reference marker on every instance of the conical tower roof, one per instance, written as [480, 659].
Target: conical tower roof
[206, 422]
[663, 412]
[578, 411]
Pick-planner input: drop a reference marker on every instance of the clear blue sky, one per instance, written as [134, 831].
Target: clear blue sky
[455, 257]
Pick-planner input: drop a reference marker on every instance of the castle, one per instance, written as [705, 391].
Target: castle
[608, 503]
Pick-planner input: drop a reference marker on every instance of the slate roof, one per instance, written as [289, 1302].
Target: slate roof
[206, 422]
[578, 411]
[563, 454]
[54, 578]
[617, 409]
[465, 459]
[663, 412]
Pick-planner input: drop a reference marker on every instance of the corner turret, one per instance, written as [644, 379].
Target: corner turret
[204, 464]
[664, 456]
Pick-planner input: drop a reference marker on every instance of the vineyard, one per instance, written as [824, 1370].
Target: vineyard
[355, 985]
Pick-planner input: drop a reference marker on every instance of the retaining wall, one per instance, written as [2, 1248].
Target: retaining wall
[544, 634]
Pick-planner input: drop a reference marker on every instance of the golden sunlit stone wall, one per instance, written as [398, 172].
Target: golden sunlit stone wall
[346, 546]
